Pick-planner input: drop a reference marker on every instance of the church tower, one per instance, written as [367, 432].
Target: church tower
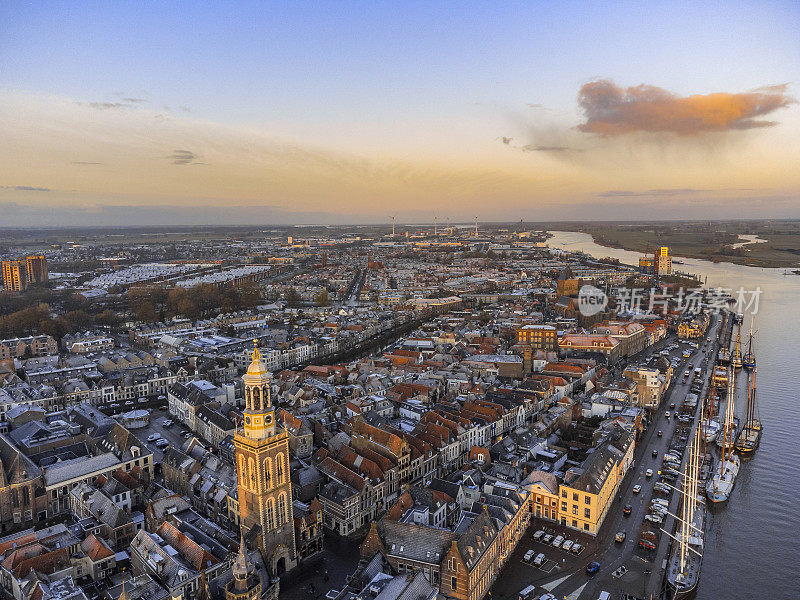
[246, 584]
[262, 466]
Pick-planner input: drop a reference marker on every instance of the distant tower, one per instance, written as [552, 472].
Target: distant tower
[262, 467]
[324, 258]
[246, 583]
[476, 226]
[392, 226]
[434, 225]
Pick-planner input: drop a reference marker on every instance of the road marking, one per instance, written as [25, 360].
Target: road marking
[556, 582]
[576, 594]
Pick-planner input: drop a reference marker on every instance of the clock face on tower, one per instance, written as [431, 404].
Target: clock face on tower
[267, 419]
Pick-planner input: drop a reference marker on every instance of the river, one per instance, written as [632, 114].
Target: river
[753, 542]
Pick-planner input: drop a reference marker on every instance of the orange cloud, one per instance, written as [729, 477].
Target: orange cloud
[611, 110]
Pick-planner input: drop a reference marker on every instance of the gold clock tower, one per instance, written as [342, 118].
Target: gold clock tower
[262, 466]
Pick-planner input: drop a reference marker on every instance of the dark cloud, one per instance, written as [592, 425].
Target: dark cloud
[184, 157]
[612, 110]
[25, 188]
[134, 100]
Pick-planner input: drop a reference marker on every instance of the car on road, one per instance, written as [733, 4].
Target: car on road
[547, 538]
[538, 535]
[142, 400]
[592, 568]
[567, 544]
[648, 473]
[620, 537]
[162, 443]
[539, 560]
[558, 541]
[168, 423]
[672, 405]
[655, 452]
[666, 415]
[647, 545]
[528, 556]
[576, 548]
[627, 510]
[637, 488]
[660, 433]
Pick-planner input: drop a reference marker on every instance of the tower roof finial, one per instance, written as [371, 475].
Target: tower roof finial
[256, 353]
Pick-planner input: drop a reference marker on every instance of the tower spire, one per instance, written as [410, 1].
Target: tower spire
[256, 353]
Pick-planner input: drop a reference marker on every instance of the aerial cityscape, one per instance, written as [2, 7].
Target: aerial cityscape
[419, 301]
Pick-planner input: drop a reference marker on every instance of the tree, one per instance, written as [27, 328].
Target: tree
[146, 312]
[322, 298]
[292, 297]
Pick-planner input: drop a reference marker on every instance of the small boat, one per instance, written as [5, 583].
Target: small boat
[749, 359]
[751, 433]
[720, 486]
[710, 430]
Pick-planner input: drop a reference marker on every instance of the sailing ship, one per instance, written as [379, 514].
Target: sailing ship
[686, 556]
[751, 434]
[721, 484]
[710, 429]
[749, 359]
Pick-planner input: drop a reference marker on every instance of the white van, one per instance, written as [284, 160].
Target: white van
[604, 596]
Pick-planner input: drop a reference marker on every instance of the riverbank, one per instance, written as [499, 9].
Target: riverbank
[779, 249]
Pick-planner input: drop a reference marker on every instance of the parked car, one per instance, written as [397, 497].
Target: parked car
[539, 560]
[567, 544]
[648, 473]
[576, 548]
[647, 545]
[547, 538]
[654, 518]
[620, 537]
[637, 488]
[528, 556]
[152, 437]
[168, 423]
[538, 535]
[592, 568]
[558, 541]
[142, 400]
[620, 571]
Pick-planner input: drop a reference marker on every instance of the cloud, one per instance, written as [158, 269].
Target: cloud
[611, 110]
[134, 100]
[184, 157]
[85, 162]
[654, 192]
[535, 148]
[25, 188]
[107, 105]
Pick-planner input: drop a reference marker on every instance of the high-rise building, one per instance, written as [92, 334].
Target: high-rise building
[262, 465]
[37, 269]
[663, 261]
[15, 275]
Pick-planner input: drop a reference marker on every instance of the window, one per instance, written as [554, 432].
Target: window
[574, 510]
[586, 526]
[563, 506]
[575, 496]
[453, 583]
[587, 500]
[587, 512]
[563, 493]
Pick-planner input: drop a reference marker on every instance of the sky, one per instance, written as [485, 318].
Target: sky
[145, 113]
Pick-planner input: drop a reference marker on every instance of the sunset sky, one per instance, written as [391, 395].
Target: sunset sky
[130, 113]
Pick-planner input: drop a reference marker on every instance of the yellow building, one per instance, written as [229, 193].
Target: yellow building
[663, 261]
[262, 466]
[588, 491]
[15, 275]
